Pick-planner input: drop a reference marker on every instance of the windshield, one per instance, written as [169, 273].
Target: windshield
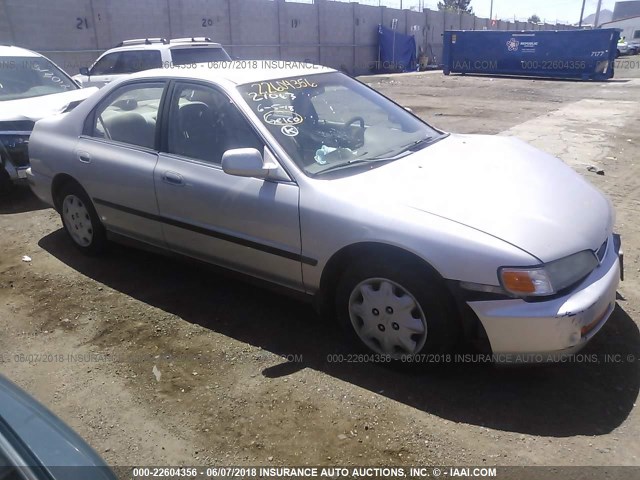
[330, 121]
[192, 55]
[25, 77]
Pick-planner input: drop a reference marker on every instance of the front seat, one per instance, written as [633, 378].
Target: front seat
[197, 137]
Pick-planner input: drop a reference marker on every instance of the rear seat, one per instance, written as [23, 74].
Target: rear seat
[132, 128]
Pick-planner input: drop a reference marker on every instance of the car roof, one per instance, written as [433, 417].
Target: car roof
[13, 51]
[238, 71]
[163, 46]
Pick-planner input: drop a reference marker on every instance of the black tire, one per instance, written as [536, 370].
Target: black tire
[434, 300]
[93, 244]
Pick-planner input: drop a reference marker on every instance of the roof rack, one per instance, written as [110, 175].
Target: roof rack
[143, 41]
[190, 39]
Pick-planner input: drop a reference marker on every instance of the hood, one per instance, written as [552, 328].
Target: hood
[35, 108]
[498, 185]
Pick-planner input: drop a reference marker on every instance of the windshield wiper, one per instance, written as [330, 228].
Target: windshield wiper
[409, 149]
[417, 145]
[354, 162]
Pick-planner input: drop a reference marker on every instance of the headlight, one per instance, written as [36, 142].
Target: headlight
[549, 278]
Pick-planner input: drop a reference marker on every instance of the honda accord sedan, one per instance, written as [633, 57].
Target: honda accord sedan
[306, 178]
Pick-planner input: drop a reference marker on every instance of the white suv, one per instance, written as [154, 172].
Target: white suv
[147, 53]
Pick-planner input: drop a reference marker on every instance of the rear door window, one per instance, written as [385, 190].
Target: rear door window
[191, 55]
[139, 60]
[130, 114]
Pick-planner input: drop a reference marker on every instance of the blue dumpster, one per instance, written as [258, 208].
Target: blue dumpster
[571, 54]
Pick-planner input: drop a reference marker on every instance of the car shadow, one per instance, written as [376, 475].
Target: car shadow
[20, 200]
[589, 396]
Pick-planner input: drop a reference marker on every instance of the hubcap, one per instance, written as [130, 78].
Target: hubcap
[387, 318]
[77, 220]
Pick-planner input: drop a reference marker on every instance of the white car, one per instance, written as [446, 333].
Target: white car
[147, 53]
[623, 48]
[31, 88]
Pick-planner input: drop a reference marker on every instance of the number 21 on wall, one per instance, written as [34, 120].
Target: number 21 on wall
[82, 23]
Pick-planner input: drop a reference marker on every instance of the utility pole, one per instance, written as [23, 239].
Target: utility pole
[582, 13]
[597, 20]
[491, 11]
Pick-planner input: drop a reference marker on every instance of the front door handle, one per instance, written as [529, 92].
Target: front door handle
[84, 157]
[172, 178]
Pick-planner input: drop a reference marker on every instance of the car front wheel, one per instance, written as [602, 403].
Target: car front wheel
[396, 309]
[81, 221]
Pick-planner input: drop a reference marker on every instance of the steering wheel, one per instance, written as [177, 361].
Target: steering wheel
[356, 138]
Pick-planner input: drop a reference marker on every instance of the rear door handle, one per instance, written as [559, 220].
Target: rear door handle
[172, 178]
[84, 157]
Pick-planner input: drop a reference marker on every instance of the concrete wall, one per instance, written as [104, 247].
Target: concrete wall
[336, 30]
[339, 34]
[366, 21]
[255, 29]
[209, 18]
[299, 32]
[435, 30]
[6, 29]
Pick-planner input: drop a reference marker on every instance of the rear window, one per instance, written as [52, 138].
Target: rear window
[191, 55]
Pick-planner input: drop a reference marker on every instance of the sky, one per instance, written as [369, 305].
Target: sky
[563, 11]
[551, 10]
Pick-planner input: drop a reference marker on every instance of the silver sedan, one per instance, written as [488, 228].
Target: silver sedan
[301, 176]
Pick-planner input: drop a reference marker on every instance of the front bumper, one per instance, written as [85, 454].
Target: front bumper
[521, 332]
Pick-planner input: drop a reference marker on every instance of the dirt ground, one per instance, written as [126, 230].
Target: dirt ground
[156, 361]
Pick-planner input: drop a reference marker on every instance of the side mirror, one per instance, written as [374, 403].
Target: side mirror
[84, 71]
[245, 162]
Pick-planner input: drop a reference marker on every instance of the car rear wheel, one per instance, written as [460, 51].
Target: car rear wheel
[395, 309]
[81, 221]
